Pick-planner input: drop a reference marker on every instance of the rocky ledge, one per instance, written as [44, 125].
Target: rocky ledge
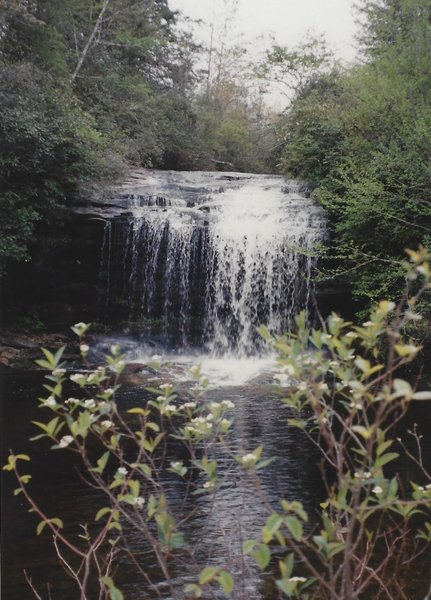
[20, 350]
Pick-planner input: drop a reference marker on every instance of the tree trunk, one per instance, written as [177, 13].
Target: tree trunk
[90, 41]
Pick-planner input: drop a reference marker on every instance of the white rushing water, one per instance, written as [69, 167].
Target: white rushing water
[202, 259]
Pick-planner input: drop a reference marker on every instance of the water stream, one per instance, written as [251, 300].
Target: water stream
[191, 264]
[204, 258]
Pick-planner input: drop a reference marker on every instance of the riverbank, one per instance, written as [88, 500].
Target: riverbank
[19, 351]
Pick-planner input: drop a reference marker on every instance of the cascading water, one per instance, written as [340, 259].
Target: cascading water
[205, 258]
[195, 261]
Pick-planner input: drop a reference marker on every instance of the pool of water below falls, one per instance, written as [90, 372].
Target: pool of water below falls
[219, 523]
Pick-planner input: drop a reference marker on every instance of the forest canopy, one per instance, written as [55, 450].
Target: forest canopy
[362, 137]
[89, 87]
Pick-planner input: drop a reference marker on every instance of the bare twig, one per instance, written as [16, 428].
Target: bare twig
[90, 40]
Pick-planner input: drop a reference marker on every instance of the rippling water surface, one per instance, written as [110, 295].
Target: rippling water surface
[192, 262]
[219, 524]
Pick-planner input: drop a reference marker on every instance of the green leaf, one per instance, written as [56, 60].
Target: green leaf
[49, 428]
[407, 350]
[335, 548]
[248, 546]
[101, 463]
[41, 527]
[294, 525]
[113, 442]
[22, 457]
[177, 541]
[297, 423]
[286, 586]
[274, 522]
[102, 512]
[363, 431]
[83, 424]
[153, 426]
[152, 506]
[50, 358]
[58, 522]
[194, 589]
[264, 333]
[55, 521]
[383, 446]
[207, 575]
[262, 555]
[44, 364]
[363, 364]
[286, 566]
[134, 487]
[266, 535]
[385, 459]
[154, 391]
[59, 354]
[393, 489]
[146, 469]
[137, 411]
[151, 444]
[295, 507]
[114, 592]
[226, 581]
[264, 463]
[11, 461]
[116, 483]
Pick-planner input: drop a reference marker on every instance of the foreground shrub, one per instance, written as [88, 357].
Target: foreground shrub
[343, 389]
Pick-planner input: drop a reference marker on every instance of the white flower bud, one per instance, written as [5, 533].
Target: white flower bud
[65, 441]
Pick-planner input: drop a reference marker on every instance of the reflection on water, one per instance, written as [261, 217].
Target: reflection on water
[220, 523]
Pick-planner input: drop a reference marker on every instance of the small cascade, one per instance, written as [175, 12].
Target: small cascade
[202, 259]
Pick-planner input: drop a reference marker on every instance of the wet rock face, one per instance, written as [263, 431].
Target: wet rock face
[60, 285]
[19, 351]
[178, 257]
[202, 259]
[335, 296]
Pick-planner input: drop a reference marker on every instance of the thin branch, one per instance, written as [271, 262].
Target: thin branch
[408, 222]
[30, 583]
[90, 40]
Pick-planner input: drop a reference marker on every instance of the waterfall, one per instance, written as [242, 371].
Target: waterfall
[204, 258]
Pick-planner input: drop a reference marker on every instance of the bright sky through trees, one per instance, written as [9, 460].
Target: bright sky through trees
[287, 20]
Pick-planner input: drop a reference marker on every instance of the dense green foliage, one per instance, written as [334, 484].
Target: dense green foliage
[87, 86]
[362, 137]
[233, 120]
[50, 153]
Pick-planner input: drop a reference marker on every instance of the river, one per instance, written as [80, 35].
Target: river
[190, 265]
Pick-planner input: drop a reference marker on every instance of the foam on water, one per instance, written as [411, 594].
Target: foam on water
[205, 258]
[223, 371]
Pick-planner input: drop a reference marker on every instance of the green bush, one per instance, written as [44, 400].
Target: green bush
[343, 388]
[362, 137]
[51, 156]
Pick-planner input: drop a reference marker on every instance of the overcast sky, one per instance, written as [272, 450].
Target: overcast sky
[287, 20]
